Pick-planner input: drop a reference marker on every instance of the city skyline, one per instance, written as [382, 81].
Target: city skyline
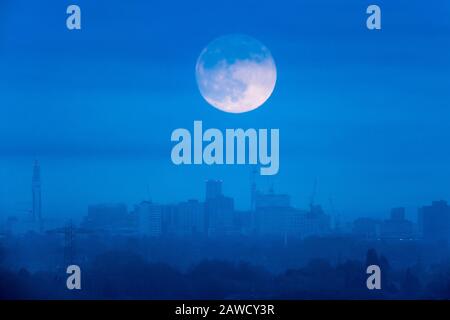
[33, 207]
[214, 213]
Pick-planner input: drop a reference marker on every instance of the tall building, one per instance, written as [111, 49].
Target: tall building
[367, 228]
[271, 199]
[397, 227]
[185, 219]
[274, 215]
[434, 221]
[219, 210]
[109, 217]
[36, 210]
[317, 222]
[219, 215]
[149, 216]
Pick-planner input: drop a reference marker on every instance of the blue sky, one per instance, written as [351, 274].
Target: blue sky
[364, 112]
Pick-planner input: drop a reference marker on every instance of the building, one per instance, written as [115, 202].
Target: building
[316, 222]
[397, 227]
[272, 212]
[109, 217]
[219, 210]
[184, 219]
[242, 221]
[191, 217]
[434, 221]
[275, 216]
[366, 228]
[271, 199]
[149, 216]
[219, 216]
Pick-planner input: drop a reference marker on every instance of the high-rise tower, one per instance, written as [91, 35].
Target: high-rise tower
[36, 192]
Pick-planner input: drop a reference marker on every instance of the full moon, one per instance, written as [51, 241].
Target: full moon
[236, 73]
